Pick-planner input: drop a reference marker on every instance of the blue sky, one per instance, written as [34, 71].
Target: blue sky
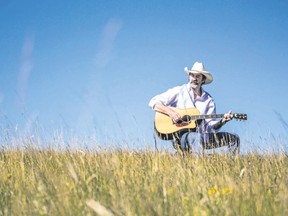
[89, 68]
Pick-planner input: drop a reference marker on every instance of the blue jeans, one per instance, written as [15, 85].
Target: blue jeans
[198, 142]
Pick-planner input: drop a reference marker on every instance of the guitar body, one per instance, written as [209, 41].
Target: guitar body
[166, 129]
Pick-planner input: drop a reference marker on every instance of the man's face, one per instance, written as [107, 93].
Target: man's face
[195, 79]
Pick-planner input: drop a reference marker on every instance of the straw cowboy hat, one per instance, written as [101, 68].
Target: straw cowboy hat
[197, 68]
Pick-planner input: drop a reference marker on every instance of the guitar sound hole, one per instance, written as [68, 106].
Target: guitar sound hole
[184, 120]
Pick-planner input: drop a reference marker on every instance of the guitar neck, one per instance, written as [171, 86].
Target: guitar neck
[198, 117]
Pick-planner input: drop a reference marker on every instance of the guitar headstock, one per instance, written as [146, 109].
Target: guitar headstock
[240, 116]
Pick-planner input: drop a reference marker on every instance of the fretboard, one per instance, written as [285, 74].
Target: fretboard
[197, 117]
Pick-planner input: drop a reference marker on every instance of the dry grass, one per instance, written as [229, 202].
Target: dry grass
[118, 182]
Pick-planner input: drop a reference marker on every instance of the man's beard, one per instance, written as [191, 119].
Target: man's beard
[195, 84]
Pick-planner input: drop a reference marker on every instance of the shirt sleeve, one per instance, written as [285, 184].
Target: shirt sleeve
[168, 98]
[209, 123]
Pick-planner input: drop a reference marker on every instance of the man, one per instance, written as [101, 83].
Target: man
[192, 95]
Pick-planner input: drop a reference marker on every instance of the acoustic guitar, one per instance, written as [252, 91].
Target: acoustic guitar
[166, 129]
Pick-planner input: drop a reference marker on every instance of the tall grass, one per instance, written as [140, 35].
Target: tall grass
[120, 182]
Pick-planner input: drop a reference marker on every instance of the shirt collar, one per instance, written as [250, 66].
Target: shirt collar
[191, 90]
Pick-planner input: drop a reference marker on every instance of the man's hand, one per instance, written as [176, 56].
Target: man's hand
[173, 115]
[168, 111]
[227, 117]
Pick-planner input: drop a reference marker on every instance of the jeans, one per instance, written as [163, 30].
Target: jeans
[196, 143]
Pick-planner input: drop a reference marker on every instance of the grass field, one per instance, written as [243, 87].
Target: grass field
[120, 182]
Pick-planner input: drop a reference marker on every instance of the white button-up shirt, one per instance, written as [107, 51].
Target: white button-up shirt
[183, 97]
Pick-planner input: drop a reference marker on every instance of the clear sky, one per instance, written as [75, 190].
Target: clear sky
[89, 68]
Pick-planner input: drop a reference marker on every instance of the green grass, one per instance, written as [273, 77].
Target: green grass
[119, 182]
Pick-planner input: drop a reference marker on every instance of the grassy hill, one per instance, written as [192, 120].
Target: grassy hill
[118, 182]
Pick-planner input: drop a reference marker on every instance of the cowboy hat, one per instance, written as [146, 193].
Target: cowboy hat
[197, 68]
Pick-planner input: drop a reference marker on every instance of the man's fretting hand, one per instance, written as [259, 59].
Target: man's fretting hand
[227, 117]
